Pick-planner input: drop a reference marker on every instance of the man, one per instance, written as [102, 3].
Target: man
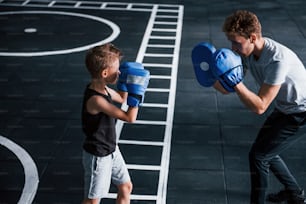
[282, 79]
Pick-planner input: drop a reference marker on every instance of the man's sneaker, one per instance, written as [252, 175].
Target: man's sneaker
[292, 197]
[297, 198]
[281, 196]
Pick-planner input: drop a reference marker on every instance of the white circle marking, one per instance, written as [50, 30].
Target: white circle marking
[114, 35]
[30, 170]
[30, 30]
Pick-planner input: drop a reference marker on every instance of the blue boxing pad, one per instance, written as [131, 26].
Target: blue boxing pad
[137, 83]
[202, 63]
[121, 84]
[227, 68]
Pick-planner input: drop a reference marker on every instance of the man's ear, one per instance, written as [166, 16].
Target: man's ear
[253, 37]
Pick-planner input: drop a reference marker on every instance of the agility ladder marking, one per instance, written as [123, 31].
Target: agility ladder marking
[156, 19]
[162, 37]
[165, 15]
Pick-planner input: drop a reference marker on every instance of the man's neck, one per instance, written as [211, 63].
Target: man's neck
[259, 46]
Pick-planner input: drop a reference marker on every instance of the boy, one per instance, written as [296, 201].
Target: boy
[102, 159]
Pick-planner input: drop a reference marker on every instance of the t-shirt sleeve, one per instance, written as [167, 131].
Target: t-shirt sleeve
[276, 73]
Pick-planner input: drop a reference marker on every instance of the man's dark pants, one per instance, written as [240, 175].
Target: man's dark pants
[278, 133]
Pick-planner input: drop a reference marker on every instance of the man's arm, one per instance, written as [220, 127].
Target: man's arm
[217, 85]
[257, 103]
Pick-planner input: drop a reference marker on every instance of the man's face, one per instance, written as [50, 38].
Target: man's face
[243, 46]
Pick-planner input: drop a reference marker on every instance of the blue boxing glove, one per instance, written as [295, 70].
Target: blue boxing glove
[202, 63]
[136, 83]
[227, 68]
[121, 84]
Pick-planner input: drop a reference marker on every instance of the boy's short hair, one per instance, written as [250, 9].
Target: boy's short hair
[101, 57]
[243, 23]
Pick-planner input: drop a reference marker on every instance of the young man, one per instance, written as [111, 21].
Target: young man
[282, 79]
[102, 159]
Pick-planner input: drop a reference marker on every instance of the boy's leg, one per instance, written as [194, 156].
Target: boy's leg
[91, 201]
[124, 192]
[97, 177]
[121, 178]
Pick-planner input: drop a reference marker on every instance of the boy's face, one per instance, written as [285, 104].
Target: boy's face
[243, 46]
[112, 72]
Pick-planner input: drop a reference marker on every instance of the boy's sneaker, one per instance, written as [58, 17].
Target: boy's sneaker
[292, 197]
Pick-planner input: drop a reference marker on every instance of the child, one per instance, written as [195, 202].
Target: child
[102, 159]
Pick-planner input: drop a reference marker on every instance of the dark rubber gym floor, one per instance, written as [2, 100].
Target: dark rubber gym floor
[189, 145]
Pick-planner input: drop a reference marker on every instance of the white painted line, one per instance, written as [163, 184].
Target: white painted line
[158, 55]
[117, 4]
[145, 143]
[25, 2]
[164, 30]
[30, 170]
[30, 30]
[163, 37]
[165, 16]
[155, 105]
[77, 4]
[157, 90]
[169, 6]
[114, 35]
[157, 65]
[134, 197]
[129, 6]
[161, 45]
[51, 3]
[163, 179]
[103, 5]
[149, 122]
[143, 167]
[120, 123]
[159, 77]
[165, 23]
[174, 10]
[143, 7]
[146, 36]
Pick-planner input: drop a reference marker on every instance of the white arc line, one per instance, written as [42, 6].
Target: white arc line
[30, 170]
[113, 26]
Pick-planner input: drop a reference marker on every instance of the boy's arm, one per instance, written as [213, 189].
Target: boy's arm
[117, 96]
[97, 104]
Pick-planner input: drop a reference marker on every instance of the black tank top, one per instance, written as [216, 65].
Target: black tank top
[99, 129]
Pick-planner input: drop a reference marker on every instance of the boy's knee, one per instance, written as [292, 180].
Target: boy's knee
[91, 201]
[125, 188]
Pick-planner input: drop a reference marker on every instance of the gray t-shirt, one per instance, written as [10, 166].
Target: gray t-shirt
[279, 65]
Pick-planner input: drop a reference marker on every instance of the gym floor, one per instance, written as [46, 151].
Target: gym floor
[189, 144]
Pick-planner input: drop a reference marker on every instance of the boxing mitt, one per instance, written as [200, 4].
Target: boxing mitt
[137, 82]
[228, 68]
[202, 63]
[121, 84]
